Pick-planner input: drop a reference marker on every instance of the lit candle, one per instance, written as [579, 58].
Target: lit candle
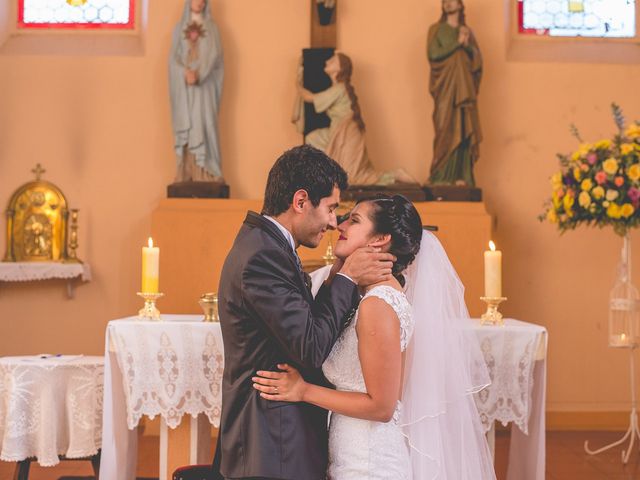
[619, 340]
[492, 272]
[150, 268]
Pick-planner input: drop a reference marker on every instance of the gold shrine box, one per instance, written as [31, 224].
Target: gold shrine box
[37, 218]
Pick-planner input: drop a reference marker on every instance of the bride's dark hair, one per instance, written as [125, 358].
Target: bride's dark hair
[395, 215]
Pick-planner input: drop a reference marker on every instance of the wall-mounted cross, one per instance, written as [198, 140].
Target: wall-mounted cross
[323, 36]
[38, 171]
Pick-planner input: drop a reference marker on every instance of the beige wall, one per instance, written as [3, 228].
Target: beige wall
[100, 125]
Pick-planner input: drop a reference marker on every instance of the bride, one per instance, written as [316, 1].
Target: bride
[404, 372]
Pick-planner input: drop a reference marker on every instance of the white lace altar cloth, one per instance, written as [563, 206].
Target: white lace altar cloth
[29, 271]
[169, 368]
[50, 406]
[515, 354]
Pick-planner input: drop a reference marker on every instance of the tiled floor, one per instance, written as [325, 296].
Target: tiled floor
[566, 459]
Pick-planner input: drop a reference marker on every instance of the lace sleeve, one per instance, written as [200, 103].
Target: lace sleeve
[398, 301]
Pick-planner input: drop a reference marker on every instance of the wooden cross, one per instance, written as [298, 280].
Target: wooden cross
[38, 171]
[323, 36]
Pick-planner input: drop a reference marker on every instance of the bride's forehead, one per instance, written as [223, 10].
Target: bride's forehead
[361, 209]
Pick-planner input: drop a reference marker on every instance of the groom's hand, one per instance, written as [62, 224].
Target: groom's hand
[368, 265]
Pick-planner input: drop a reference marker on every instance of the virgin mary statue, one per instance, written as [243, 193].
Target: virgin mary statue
[195, 82]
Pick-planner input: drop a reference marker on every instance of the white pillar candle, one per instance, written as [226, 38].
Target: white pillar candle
[492, 272]
[150, 268]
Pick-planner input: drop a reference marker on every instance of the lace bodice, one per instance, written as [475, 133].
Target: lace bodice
[342, 367]
[365, 449]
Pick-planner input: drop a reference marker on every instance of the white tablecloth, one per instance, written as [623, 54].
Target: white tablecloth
[29, 271]
[168, 368]
[50, 406]
[516, 356]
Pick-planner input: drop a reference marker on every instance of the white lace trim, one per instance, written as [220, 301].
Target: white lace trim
[170, 369]
[30, 271]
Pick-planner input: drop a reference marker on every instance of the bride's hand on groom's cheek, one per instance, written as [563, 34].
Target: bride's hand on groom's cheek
[287, 385]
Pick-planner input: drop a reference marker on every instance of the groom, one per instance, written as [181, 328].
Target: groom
[268, 316]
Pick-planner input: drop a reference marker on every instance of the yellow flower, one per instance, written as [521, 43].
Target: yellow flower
[610, 166]
[614, 210]
[633, 131]
[586, 184]
[598, 192]
[555, 197]
[551, 216]
[626, 148]
[577, 174]
[556, 181]
[612, 195]
[584, 199]
[603, 145]
[568, 202]
[627, 210]
[634, 172]
[584, 148]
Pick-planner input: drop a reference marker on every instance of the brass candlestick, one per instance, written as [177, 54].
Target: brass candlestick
[149, 311]
[492, 316]
[73, 237]
[328, 257]
[209, 303]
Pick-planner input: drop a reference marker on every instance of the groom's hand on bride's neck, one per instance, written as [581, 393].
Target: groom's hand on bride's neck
[368, 265]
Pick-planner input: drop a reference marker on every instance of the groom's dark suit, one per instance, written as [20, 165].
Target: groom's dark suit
[268, 316]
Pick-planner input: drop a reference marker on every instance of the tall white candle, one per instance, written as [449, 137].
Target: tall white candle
[492, 272]
[150, 268]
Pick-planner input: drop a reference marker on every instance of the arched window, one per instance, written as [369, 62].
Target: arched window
[76, 14]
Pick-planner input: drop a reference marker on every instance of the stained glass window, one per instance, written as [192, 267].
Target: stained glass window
[72, 14]
[578, 18]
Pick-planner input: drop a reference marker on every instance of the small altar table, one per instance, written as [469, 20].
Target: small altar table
[169, 368]
[50, 406]
[515, 354]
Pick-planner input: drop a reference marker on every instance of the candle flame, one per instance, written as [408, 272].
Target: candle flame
[150, 242]
[623, 336]
[492, 246]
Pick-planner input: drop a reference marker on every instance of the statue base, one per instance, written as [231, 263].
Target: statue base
[452, 193]
[413, 192]
[198, 190]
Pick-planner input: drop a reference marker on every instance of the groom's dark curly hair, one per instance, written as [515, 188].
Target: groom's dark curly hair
[301, 168]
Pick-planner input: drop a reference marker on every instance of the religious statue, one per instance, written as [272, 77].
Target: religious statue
[456, 68]
[195, 82]
[344, 139]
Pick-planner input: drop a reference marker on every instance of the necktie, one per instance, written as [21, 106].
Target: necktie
[307, 277]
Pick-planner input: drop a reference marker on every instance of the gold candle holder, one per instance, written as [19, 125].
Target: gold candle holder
[149, 311]
[209, 303]
[492, 316]
[73, 237]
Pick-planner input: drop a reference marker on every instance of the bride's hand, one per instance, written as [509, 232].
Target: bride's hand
[288, 385]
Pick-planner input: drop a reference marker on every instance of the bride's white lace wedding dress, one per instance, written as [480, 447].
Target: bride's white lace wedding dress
[364, 449]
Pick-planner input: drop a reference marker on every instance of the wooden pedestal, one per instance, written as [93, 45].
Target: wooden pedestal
[198, 190]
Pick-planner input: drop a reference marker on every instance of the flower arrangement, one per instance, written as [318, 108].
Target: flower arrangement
[599, 183]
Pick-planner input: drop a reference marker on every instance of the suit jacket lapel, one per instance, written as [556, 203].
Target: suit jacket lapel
[256, 220]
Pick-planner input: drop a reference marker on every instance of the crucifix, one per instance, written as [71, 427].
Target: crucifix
[323, 42]
[323, 23]
[38, 171]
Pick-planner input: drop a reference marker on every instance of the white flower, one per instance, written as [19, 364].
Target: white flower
[612, 195]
